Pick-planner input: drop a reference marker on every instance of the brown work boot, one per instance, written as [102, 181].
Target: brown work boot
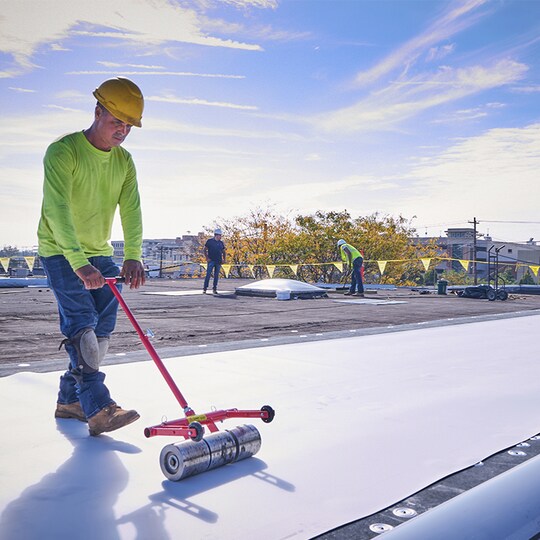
[110, 418]
[70, 410]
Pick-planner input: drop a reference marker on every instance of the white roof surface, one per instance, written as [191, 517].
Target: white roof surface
[361, 423]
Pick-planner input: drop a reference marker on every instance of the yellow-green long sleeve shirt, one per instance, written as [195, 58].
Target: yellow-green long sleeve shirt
[349, 253]
[82, 188]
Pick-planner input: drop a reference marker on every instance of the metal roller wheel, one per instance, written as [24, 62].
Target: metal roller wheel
[183, 459]
[199, 429]
[270, 411]
[170, 463]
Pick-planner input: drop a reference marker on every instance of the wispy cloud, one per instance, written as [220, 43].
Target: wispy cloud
[153, 38]
[531, 89]
[136, 66]
[482, 176]
[467, 115]
[58, 47]
[72, 95]
[61, 108]
[437, 53]
[259, 32]
[203, 150]
[463, 115]
[22, 90]
[195, 101]
[386, 109]
[495, 173]
[138, 22]
[158, 73]
[265, 4]
[176, 127]
[459, 16]
[412, 92]
[15, 137]
[363, 192]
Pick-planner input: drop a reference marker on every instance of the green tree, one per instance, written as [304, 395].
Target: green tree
[508, 276]
[315, 243]
[264, 237]
[527, 279]
[380, 238]
[430, 278]
[457, 278]
[251, 240]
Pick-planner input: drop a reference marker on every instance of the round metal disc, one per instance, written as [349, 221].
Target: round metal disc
[404, 512]
[380, 527]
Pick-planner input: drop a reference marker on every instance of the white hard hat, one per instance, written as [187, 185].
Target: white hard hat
[217, 231]
[341, 242]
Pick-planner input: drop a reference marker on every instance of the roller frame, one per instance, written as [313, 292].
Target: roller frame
[180, 427]
[183, 427]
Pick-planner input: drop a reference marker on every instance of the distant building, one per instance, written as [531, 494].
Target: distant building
[459, 244]
[512, 252]
[173, 257]
[118, 246]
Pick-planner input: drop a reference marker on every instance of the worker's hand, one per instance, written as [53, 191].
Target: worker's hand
[90, 276]
[133, 273]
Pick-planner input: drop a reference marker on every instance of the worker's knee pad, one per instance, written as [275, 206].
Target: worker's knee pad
[88, 350]
[103, 344]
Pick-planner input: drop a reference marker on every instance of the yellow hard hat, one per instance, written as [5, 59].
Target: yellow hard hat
[122, 98]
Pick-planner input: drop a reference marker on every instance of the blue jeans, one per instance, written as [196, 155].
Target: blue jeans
[215, 266]
[356, 278]
[80, 308]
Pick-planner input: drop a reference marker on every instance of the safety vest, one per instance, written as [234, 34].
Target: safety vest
[352, 250]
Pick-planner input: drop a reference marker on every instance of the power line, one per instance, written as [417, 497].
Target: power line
[499, 221]
[439, 225]
[431, 225]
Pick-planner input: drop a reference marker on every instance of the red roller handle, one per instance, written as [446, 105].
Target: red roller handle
[150, 348]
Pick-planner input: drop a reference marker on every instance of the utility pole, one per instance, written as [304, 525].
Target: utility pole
[161, 261]
[475, 273]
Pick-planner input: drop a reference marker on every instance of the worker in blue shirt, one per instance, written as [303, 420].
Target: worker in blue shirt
[351, 256]
[214, 252]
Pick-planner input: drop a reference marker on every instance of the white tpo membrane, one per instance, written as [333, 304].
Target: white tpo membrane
[360, 424]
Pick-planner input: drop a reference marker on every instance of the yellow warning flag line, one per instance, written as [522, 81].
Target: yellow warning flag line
[382, 264]
[271, 268]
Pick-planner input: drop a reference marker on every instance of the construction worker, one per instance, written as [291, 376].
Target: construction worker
[87, 176]
[214, 253]
[351, 256]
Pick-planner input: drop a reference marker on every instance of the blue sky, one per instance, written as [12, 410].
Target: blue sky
[428, 109]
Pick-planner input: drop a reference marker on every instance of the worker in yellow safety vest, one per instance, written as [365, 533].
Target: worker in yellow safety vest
[351, 256]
